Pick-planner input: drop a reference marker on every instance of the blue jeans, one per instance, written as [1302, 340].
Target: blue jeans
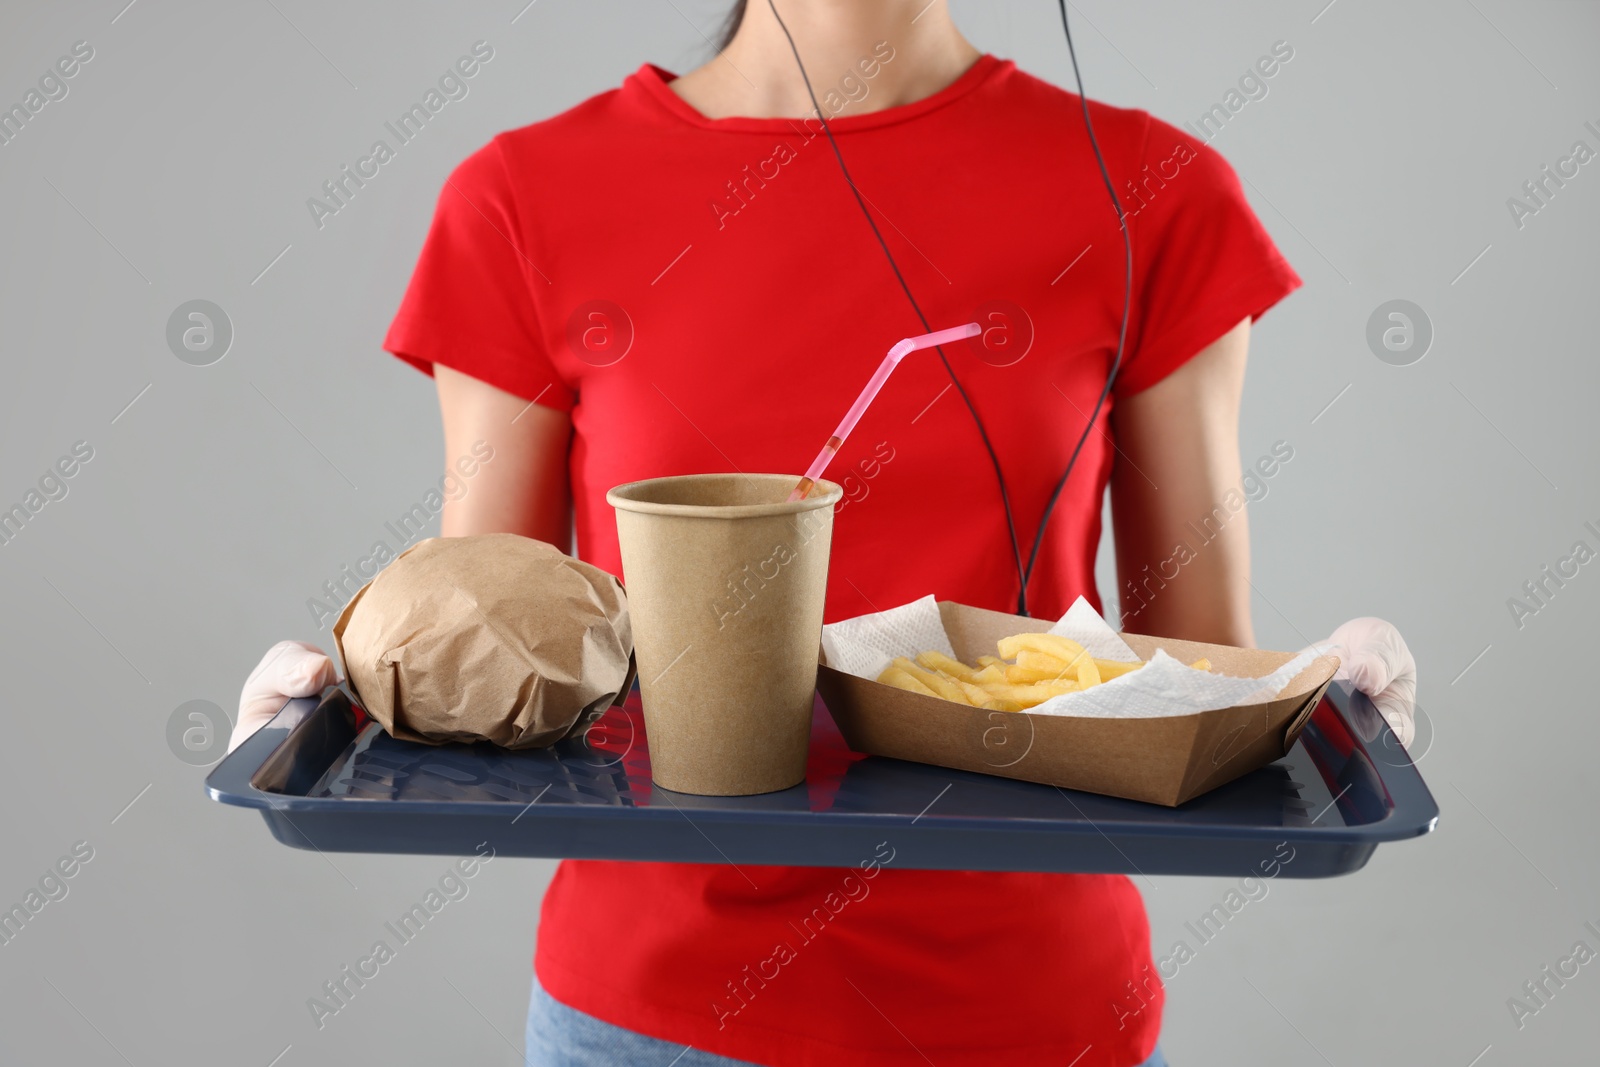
[559, 1036]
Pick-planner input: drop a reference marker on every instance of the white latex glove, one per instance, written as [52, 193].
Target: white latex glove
[1374, 659]
[289, 669]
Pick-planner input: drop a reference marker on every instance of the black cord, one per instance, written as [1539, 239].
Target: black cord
[1024, 573]
[1122, 334]
[1005, 497]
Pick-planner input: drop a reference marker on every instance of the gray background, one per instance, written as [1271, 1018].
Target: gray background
[222, 498]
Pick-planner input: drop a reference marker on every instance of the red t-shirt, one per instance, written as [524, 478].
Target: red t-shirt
[704, 295]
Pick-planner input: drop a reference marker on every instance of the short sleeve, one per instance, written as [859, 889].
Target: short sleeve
[1202, 259]
[470, 303]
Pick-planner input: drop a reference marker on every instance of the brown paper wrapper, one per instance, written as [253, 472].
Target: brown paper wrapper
[493, 637]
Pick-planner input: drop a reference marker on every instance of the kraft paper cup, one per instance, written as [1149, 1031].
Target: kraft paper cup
[725, 583]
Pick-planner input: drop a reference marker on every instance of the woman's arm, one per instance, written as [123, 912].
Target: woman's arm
[523, 489]
[1178, 445]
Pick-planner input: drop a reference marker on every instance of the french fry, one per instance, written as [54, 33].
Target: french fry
[941, 686]
[1029, 695]
[1041, 666]
[1001, 705]
[1051, 644]
[1115, 668]
[1019, 675]
[901, 680]
[992, 672]
[1043, 661]
[938, 661]
[990, 661]
[976, 695]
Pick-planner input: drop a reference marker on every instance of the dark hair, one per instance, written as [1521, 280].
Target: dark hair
[730, 25]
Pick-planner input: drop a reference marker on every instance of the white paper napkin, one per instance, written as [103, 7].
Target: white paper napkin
[865, 645]
[1084, 625]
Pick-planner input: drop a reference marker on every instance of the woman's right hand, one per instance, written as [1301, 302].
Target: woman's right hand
[290, 669]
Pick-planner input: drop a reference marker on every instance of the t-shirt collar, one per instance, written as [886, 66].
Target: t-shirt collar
[651, 81]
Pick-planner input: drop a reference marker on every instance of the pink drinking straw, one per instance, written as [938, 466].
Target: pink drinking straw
[900, 350]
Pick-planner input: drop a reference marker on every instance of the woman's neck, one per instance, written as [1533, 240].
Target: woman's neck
[756, 75]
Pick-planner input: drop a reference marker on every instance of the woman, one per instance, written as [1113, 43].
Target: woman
[675, 277]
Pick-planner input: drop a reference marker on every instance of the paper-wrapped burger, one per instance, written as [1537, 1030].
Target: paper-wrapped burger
[493, 637]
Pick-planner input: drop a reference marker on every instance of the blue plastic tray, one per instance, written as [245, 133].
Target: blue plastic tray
[326, 783]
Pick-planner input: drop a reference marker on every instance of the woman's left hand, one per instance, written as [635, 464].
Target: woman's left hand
[1374, 659]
